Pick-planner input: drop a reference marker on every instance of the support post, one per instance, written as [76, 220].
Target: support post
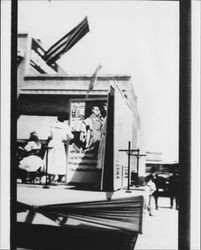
[46, 172]
[138, 155]
[129, 154]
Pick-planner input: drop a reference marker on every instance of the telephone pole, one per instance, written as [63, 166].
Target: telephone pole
[131, 152]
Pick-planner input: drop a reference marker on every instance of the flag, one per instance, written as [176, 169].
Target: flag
[66, 42]
[93, 79]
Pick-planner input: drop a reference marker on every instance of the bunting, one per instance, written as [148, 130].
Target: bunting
[125, 214]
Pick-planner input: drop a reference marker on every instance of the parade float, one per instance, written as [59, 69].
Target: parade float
[94, 208]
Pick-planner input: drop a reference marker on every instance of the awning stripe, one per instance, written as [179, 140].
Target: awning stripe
[124, 214]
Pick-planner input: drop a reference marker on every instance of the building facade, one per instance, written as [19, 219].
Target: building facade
[45, 91]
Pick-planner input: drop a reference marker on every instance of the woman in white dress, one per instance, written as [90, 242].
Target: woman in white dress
[57, 159]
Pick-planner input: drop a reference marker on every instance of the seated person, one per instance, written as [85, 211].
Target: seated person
[32, 162]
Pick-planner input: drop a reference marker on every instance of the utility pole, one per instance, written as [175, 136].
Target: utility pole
[138, 155]
[131, 152]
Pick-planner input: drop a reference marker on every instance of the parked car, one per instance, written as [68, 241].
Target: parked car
[162, 184]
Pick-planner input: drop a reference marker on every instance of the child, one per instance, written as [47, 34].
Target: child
[151, 189]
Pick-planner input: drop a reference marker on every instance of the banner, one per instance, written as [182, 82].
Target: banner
[93, 79]
[125, 214]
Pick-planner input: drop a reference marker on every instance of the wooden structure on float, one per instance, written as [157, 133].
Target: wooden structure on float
[108, 169]
[44, 93]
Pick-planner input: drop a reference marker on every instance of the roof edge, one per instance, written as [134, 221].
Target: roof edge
[77, 77]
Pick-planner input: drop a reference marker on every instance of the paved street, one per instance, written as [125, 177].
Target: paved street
[161, 230]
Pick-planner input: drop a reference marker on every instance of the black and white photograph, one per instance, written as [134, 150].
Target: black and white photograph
[100, 125]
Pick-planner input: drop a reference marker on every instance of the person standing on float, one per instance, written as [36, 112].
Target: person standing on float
[91, 130]
[57, 159]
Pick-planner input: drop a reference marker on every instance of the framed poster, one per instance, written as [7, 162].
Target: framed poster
[85, 153]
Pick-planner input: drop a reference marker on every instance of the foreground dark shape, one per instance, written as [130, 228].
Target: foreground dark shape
[113, 224]
[52, 237]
